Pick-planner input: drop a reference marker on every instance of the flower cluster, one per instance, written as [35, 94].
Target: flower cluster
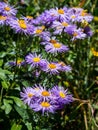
[49, 28]
[46, 101]
[49, 67]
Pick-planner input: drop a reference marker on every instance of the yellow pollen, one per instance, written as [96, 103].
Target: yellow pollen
[30, 95]
[84, 13]
[64, 24]
[75, 34]
[57, 45]
[45, 93]
[53, 41]
[52, 66]
[38, 31]
[29, 17]
[62, 95]
[3, 17]
[7, 8]
[45, 104]
[18, 61]
[36, 59]
[73, 16]
[61, 11]
[22, 24]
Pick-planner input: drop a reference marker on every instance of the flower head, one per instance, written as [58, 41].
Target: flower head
[21, 26]
[35, 60]
[6, 9]
[52, 68]
[55, 47]
[61, 95]
[27, 95]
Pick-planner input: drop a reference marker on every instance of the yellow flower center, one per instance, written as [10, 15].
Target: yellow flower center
[75, 34]
[53, 41]
[30, 95]
[45, 104]
[62, 95]
[57, 45]
[3, 17]
[36, 59]
[29, 17]
[61, 11]
[38, 31]
[73, 16]
[84, 13]
[22, 24]
[64, 24]
[45, 93]
[7, 8]
[52, 66]
[18, 62]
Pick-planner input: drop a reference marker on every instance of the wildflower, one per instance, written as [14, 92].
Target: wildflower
[52, 68]
[35, 60]
[40, 31]
[59, 27]
[78, 34]
[58, 13]
[18, 63]
[21, 26]
[27, 95]
[43, 94]
[95, 53]
[56, 47]
[3, 19]
[44, 107]
[6, 9]
[64, 67]
[61, 95]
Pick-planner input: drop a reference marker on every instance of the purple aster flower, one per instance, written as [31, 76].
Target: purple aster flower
[4, 20]
[59, 13]
[78, 34]
[56, 47]
[43, 94]
[27, 95]
[44, 107]
[59, 26]
[18, 63]
[35, 60]
[48, 40]
[64, 67]
[46, 18]
[39, 31]
[83, 15]
[6, 9]
[61, 96]
[21, 26]
[52, 68]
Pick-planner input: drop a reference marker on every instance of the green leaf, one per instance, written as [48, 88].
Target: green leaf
[16, 127]
[7, 107]
[18, 102]
[29, 126]
[22, 112]
[4, 85]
